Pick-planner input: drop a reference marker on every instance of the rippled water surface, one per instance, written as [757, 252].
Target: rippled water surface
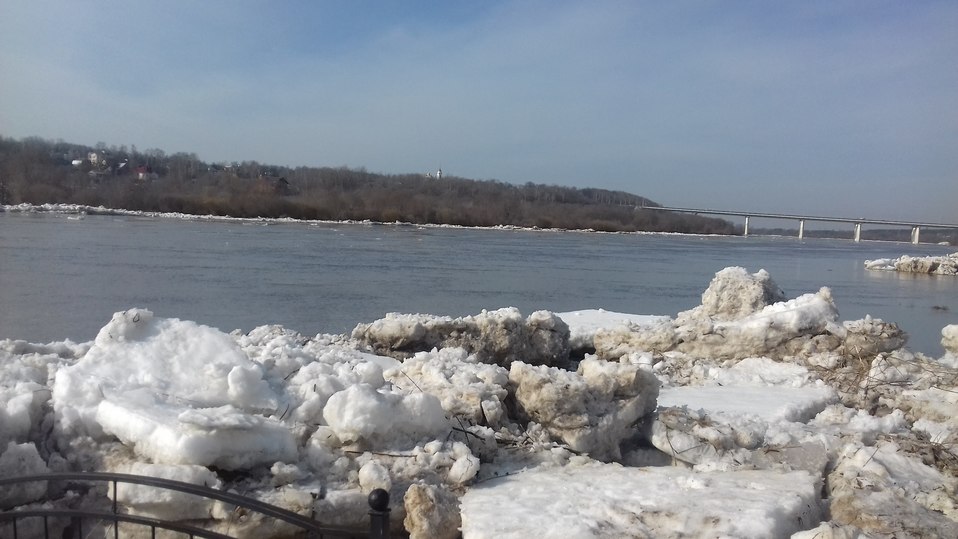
[64, 278]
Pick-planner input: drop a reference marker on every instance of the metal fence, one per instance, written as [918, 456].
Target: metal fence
[378, 513]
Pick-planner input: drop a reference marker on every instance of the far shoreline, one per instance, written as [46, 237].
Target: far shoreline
[80, 209]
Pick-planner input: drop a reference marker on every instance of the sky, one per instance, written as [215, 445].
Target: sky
[828, 108]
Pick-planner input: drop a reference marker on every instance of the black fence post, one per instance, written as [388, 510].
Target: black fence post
[379, 514]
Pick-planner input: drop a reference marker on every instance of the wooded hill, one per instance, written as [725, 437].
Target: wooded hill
[39, 171]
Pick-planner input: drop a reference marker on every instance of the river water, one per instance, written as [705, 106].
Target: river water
[63, 277]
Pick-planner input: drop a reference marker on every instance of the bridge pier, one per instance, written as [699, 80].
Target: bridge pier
[746, 226]
[858, 232]
[915, 231]
[801, 228]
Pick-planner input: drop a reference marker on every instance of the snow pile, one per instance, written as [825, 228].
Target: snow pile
[500, 337]
[21, 459]
[469, 390]
[734, 294]
[752, 415]
[174, 391]
[730, 326]
[362, 415]
[940, 265]
[591, 410]
[25, 372]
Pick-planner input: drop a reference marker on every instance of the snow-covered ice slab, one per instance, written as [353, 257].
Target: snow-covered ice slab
[175, 391]
[768, 403]
[583, 324]
[222, 436]
[941, 265]
[608, 500]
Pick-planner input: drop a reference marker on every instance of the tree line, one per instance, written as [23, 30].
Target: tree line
[38, 171]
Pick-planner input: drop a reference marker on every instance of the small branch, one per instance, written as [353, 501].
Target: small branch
[413, 381]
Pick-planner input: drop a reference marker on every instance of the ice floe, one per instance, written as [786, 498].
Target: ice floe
[940, 265]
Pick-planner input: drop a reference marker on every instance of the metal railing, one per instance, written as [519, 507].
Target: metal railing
[378, 502]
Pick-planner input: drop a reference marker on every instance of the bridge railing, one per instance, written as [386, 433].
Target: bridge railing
[378, 500]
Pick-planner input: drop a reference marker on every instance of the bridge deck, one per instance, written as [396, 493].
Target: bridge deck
[857, 222]
[860, 220]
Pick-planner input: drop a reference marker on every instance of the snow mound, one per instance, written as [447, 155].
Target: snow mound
[377, 419]
[25, 373]
[592, 410]
[607, 500]
[175, 391]
[800, 326]
[21, 459]
[469, 390]
[734, 293]
[940, 265]
[498, 337]
[728, 327]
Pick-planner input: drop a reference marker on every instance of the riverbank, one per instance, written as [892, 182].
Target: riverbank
[502, 424]
[79, 210]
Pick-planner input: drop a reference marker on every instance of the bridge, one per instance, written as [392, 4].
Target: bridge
[915, 226]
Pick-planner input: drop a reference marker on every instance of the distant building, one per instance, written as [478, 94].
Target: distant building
[97, 159]
[144, 172]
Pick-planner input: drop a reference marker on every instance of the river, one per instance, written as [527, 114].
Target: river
[63, 277]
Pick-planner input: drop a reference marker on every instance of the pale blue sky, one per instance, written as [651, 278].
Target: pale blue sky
[827, 108]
